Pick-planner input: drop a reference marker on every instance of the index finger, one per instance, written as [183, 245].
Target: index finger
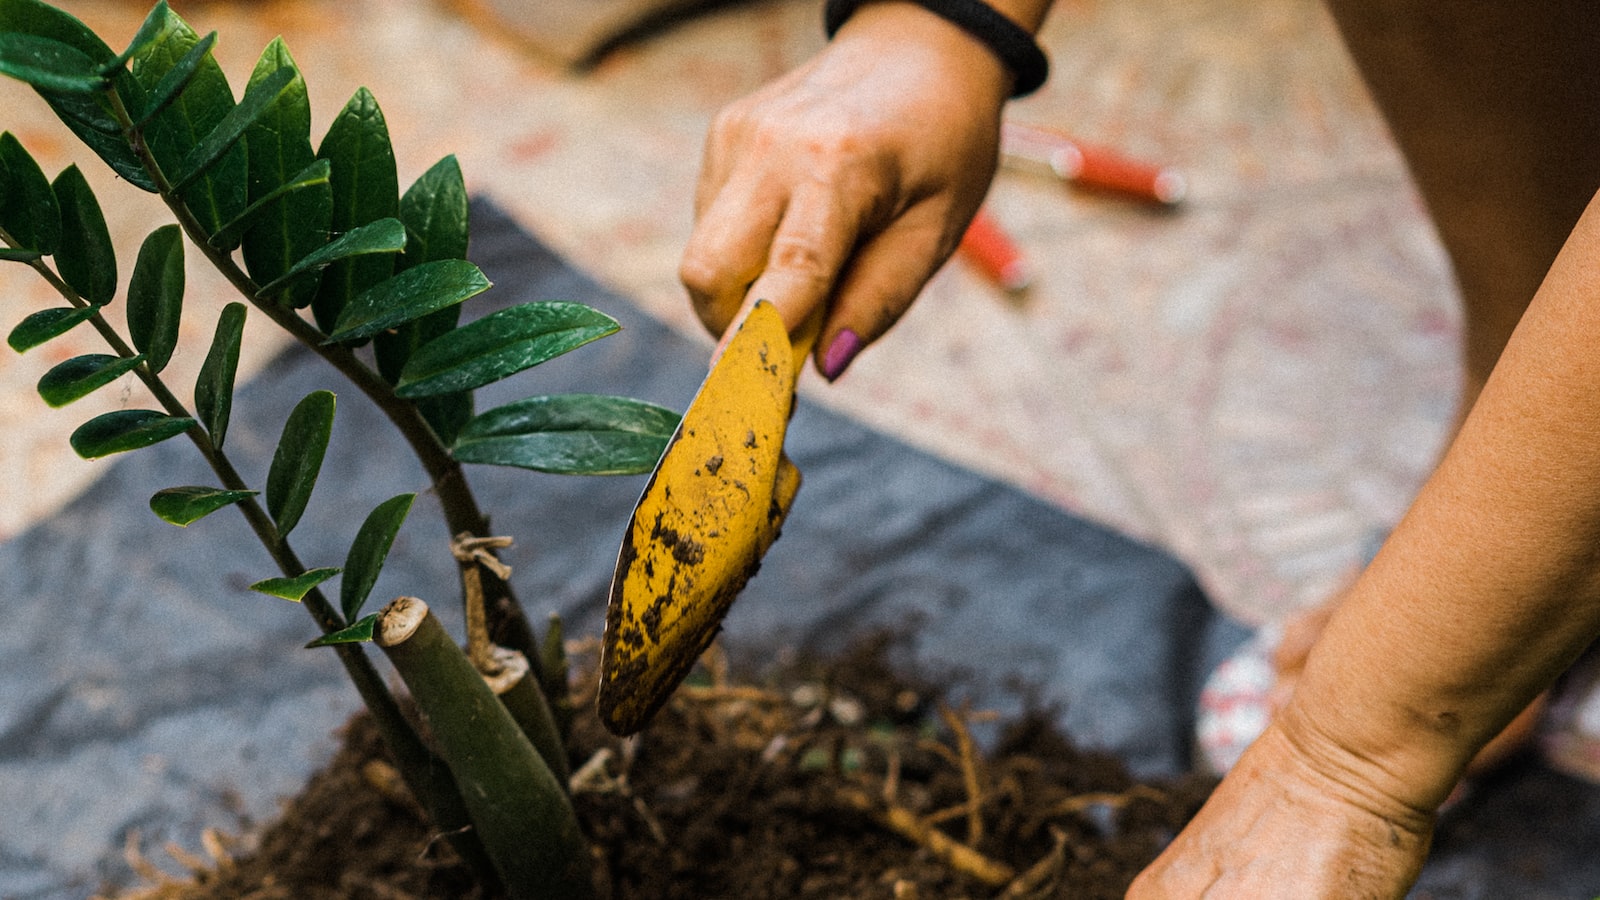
[809, 250]
[728, 249]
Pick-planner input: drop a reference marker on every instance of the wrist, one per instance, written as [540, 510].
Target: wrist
[903, 37]
[1408, 679]
[1004, 30]
[1325, 766]
[1379, 757]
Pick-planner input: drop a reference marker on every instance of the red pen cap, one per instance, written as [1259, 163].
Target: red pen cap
[1092, 166]
[987, 247]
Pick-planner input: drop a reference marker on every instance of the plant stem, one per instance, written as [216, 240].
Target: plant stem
[522, 813]
[523, 697]
[416, 763]
[510, 624]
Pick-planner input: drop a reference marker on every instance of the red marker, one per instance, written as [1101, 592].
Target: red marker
[1091, 166]
[990, 249]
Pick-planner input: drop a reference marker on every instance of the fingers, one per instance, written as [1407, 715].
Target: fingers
[825, 252]
[1300, 634]
[790, 252]
[885, 275]
[823, 193]
[728, 250]
[814, 263]
[808, 251]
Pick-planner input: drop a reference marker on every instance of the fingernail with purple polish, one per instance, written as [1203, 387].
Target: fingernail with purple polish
[846, 344]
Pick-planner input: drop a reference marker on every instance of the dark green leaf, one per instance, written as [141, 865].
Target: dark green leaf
[501, 344]
[358, 632]
[393, 347]
[383, 236]
[366, 187]
[149, 31]
[213, 390]
[176, 78]
[369, 550]
[182, 506]
[88, 116]
[86, 258]
[295, 588]
[570, 434]
[82, 375]
[410, 295]
[231, 129]
[280, 155]
[44, 20]
[194, 113]
[155, 295]
[28, 210]
[13, 254]
[434, 209]
[47, 324]
[49, 65]
[93, 113]
[311, 177]
[125, 429]
[298, 459]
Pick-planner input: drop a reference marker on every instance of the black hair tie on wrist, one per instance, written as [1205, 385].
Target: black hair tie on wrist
[1009, 41]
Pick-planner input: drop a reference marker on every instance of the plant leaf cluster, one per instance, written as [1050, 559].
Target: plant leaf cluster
[324, 229]
[320, 241]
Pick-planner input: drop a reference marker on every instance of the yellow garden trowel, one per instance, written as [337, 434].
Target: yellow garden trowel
[708, 514]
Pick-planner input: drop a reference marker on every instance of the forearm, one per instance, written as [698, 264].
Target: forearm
[1487, 589]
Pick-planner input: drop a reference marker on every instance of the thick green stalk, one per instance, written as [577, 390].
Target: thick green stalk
[521, 812]
[553, 662]
[524, 698]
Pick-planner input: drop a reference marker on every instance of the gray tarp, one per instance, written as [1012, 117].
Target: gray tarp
[143, 688]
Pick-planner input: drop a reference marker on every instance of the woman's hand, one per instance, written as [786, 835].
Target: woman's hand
[1290, 821]
[844, 185]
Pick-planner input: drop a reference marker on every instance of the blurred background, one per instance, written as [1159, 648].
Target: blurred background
[1255, 379]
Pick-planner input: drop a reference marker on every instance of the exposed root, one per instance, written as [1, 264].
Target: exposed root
[971, 773]
[1042, 876]
[819, 785]
[910, 826]
[158, 884]
[1115, 801]
[469, 549]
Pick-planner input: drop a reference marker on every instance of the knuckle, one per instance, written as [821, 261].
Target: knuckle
[801, 258]
[729, 120]
[816, 143]
[696, 271]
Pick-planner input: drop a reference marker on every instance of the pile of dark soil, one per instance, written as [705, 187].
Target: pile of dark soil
[845, 780]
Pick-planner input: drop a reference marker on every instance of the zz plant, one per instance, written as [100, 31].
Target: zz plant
[321, 242]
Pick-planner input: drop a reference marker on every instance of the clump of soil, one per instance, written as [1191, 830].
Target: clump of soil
[845, 780]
